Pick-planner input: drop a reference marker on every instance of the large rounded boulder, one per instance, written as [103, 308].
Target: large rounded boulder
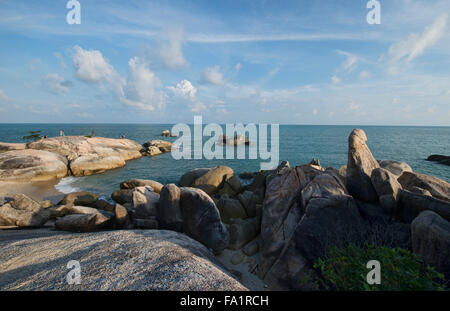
[201, 219]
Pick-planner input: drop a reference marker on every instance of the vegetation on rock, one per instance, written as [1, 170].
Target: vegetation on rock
[345, 269]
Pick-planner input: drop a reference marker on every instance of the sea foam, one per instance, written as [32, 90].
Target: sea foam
[68, 184]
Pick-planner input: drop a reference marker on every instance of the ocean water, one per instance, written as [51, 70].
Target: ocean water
[298, 144]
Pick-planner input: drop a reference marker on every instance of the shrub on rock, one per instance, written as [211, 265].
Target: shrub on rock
[344, 269]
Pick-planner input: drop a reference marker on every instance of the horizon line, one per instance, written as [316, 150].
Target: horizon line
[284, 124]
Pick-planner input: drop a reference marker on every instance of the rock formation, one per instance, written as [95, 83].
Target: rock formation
[360, 165]
[118, 260]
[53, 158]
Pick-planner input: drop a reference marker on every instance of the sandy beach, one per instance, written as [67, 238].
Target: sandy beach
[40, 190]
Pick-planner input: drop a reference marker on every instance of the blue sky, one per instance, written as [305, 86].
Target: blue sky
[287, 62]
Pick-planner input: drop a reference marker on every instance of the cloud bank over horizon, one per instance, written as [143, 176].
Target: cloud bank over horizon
[288, 63]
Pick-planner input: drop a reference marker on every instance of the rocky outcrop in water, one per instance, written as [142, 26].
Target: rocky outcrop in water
[156, 147]
[53, 158]
[441, 159]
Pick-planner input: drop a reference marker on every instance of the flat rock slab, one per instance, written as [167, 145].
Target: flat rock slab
[31, 165]
[11, 146]
[110, 260]
[54, 158]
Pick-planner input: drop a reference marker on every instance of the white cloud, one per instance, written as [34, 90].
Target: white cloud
[238, 66]
[184, 89]
[416, 44]
[335, 79]
[171, 52]
[55, 84]
[213, 75]
[139, 90]
[141, 87]
[187, 92]
[92, 67]
[315, 111]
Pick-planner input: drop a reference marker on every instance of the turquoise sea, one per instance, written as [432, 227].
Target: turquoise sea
[297, 143]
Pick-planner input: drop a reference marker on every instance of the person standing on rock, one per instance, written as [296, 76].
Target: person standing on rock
[93, 133]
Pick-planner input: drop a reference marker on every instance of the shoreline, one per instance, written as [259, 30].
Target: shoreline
[37, 190]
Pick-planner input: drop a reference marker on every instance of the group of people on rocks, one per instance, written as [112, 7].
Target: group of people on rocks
[61, 133]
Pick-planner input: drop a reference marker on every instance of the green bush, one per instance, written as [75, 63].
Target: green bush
[345, 269]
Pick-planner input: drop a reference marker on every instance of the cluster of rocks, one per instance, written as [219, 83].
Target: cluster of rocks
[156, 147]
[283, 220]
[57, 157]
[53, 158]
[307, 209]
[167, 133]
